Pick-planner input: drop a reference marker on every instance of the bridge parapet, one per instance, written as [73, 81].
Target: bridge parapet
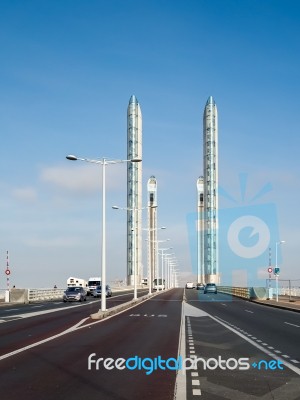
[244, 292]
[25, 296]
[45, 294]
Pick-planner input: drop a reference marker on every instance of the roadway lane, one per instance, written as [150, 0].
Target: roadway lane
[23, 329]
[278, 328]
[59, 369]
[10, 311]
[218, 326]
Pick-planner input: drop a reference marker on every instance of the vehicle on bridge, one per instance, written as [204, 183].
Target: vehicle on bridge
[189, 285]
[93, 282]
[74, 293]
[98, 291]
[210, 288]
[159, 284]
[77, 282]
[200, 286]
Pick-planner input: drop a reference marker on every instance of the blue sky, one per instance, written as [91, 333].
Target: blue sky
[67, 71]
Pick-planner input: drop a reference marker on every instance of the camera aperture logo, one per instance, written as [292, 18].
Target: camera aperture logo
[245, 234]
[256, 228]
[149, 365]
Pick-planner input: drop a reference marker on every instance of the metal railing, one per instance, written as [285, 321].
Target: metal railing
[244, 292]
[33, 295]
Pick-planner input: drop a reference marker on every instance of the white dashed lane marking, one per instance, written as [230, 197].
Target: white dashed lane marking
[260, 342]
[191, 351]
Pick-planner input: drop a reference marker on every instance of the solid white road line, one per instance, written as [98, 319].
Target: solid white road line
[288, 323]
[258, 346]
[12, 353]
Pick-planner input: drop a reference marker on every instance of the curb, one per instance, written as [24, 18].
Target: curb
[280, 306]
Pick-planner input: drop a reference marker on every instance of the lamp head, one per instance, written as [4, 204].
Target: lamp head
[71, 157]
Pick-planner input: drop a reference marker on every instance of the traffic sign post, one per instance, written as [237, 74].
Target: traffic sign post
[7, 273]
[270, 290]
[276, 273]
[277, 269]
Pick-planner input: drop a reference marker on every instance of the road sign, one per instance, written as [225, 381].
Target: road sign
[270, 270]
[7, 271]
[276, 271]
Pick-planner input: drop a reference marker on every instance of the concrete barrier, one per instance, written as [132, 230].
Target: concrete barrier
[45, 294]
[18, 296]
[259, 293]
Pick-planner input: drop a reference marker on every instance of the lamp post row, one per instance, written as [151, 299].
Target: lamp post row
[104, 161]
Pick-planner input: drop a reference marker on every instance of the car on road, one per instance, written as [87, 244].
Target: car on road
[98, 291]
[210, 288]
[200, 286]
[74, 293]
[189, 285]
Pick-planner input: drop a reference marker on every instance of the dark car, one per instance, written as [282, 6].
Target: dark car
[210, 288]
[74, 293]
[200, 286]
[98, 291]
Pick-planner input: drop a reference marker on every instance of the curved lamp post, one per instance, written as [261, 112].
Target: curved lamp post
[104, 161]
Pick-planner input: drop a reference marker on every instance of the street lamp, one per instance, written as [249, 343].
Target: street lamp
[169, 260]
[276, 267]
[152, 250]
[176, 273]
[104, 161]
[157, 261]
[164, 270]
[172, 263]
[134, 252]
[162, 265]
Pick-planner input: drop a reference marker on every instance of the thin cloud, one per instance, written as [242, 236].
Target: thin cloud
[84, 178]
[53, 242]
[27, 194]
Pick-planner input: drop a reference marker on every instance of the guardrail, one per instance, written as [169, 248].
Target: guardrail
[258, 292]
[244, 292]
[295, 292]
[32, 295]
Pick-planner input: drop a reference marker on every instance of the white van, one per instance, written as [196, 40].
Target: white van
[93, 282]
[159, 284]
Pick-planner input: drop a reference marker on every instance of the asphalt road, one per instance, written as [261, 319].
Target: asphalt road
[58, 369]
[24, 324]
[221, 327]
[223, 333]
